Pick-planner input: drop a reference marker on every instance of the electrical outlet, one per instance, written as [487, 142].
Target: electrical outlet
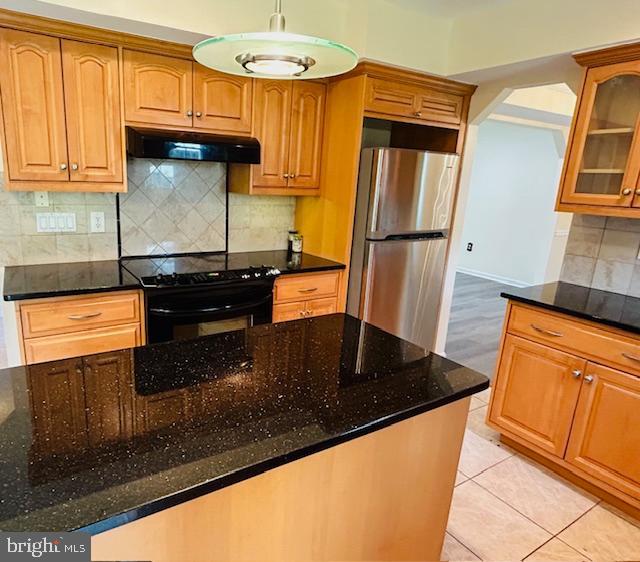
[55, 222]
[41, 198]
[470, 247]
[97, 221]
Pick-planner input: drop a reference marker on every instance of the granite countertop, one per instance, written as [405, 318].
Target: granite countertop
[613, 309]
[60, 279]
[171, 422]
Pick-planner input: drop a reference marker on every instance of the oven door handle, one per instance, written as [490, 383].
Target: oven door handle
[196, 311]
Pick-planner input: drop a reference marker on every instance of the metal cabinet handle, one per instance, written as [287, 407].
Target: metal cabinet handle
[63, 166]
[189, 113]
[588, 379]
[418, 113]
[626, 191]
[637, 191]
[198, 114]
[292, 176]
[303, 312]
[286, 175]
[547, 332]
[74, 166]
[311, 290]
[576, 373]
[84, 316]
[631, 356]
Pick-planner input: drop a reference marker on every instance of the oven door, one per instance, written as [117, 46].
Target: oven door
[190, 312]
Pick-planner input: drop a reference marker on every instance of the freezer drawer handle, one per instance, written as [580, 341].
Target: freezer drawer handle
[84, 316]
[547, 332]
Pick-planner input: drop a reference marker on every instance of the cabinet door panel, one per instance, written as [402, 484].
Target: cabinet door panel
[391, 98]
[33, 106]
[157, 89]
[272, 127]
[605, 440]
[222, 102]
[94, 124]
[535, 393]
[109, 396]
[439, 106]
[57, 406]
[320, 307]
[289, 311]
[603, 163]
[307, 118]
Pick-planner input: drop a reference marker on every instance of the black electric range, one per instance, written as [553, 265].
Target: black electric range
[192, 296]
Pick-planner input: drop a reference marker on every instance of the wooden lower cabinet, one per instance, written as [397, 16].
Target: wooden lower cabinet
[529, 369]
[62, 327]
[605, 440]
[306, 295]
[574, 414]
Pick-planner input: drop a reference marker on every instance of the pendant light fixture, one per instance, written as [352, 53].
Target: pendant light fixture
[275, 53]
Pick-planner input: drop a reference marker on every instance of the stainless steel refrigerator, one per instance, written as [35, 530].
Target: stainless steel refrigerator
[403, 214]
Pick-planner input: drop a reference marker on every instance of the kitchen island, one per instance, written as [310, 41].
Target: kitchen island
[323, 438]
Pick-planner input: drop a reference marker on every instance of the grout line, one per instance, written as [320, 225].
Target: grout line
[573, 547]
[462, 543]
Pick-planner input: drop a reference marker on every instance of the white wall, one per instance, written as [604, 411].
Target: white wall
[509, 216]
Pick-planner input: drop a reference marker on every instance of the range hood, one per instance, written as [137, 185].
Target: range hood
[179, 145]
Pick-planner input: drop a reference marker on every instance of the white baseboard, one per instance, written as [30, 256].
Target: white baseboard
[491, 277]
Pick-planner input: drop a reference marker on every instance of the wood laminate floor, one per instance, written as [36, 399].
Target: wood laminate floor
[475, 324]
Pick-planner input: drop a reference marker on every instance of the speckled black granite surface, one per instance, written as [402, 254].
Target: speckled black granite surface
[50, 280]
[614, 309]
[96, 442]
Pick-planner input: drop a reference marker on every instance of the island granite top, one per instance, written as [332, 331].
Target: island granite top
[170, 422]
[62, 279]
[614, 309]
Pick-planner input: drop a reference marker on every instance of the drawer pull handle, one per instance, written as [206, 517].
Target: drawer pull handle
[84, 316]
[547, 332]
[631, 356]
[589, 379]
[312, 290]
[576, 374]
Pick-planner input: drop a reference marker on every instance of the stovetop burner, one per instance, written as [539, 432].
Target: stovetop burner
[207, 278]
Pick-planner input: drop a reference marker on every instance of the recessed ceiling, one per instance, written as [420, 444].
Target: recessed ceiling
[449, 8]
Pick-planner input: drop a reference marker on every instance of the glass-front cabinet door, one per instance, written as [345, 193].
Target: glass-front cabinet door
[604, 159]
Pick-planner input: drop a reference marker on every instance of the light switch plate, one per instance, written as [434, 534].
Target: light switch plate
[97, 221]
[41, 198]
[55, 222]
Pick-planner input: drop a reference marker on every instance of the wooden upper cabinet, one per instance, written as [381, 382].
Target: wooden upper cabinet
[413, 101]
[94, 123]
[158, 89]
[603, 160]
[272, 127]
[307, 119]
[605, 440]
[33, 106]
[222, 102]
[536, 393]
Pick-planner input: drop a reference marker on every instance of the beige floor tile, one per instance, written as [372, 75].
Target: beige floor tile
[460, 478]
[476, 423]
[454, 550]
[602, 535]
[489, 527]
[555, 550]
[478, 454]
[535, 492]
[484, 395]
[475, 403]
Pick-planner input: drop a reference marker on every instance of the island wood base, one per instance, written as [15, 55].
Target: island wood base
[383, 496]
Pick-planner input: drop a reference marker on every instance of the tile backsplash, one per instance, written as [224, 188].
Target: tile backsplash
[21, 244]
[602, 252]
[181, 206]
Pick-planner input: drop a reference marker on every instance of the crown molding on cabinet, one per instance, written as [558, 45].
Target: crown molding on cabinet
[88, 34]
[611, 55]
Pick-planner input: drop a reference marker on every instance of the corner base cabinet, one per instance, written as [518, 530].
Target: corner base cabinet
[568, 390]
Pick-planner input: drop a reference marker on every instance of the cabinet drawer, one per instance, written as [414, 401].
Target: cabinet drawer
[79, 313]
[306, 287]
[577, 337]
[99, 340]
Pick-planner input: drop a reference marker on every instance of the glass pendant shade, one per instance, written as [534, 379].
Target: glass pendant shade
[275, 54]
